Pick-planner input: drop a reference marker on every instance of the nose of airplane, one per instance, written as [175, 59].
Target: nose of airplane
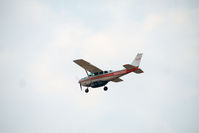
[80, 85]
[79, 81]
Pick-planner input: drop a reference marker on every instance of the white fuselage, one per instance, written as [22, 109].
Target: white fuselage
[103, 78]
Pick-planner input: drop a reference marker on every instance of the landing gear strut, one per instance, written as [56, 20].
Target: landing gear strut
[105, 88]
[87, 90]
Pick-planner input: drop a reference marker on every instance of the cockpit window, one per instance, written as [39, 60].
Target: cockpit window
[90, 74]
[101, 72]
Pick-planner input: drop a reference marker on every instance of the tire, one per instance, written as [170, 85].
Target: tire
[87, 90]
[105, 88]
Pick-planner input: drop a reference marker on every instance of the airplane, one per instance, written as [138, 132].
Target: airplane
[98, 78]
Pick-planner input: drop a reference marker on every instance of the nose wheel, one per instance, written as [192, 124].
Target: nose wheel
[87, 90]
[105, 88]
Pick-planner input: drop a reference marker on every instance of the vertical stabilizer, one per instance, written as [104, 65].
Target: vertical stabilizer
[136, 61]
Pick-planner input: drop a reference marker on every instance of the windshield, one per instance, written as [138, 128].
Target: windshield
[90, 74]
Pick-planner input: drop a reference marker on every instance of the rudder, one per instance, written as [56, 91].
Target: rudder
[136, 61]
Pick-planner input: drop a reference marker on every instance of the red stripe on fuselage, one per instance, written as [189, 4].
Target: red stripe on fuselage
[121, 72]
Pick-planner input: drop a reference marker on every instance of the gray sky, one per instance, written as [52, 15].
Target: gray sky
[38, 80]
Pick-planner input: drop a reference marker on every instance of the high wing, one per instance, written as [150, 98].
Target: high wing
[117, 80]
[87, 66]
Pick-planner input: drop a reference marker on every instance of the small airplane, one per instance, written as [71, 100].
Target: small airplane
[98, 78]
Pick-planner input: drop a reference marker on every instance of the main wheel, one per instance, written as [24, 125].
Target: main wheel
[105, 88]
[87, 90]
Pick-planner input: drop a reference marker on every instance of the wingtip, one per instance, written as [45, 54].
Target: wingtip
[76, 60]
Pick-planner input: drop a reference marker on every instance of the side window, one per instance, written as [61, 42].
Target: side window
[101, 72]
[105, 71]
[96, 73]
[111, 71]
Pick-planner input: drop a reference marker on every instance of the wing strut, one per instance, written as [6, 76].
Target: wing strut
[88, 75]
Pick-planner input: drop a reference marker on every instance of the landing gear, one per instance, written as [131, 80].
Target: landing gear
[87, 90]
[105, 88]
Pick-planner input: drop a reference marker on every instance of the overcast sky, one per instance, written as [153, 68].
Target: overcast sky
[39, 90]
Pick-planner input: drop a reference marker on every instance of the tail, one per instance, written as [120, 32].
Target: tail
[137, 60]
[135, 63]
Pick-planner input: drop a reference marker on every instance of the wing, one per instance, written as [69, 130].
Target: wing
[86, 65]
[117, 80]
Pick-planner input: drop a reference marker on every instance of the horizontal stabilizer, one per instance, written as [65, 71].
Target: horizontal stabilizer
[117, 80]
[138, 71]
[128, 66]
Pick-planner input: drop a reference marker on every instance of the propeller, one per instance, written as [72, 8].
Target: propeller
[77, 78]
[80, 86]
